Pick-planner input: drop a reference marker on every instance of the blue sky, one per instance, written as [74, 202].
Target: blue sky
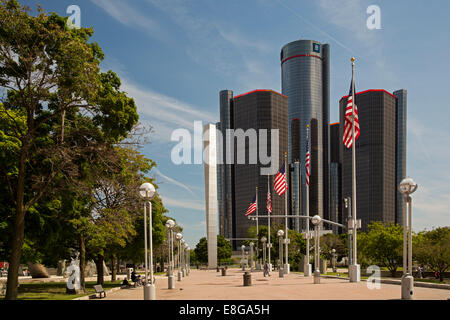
[175, 56]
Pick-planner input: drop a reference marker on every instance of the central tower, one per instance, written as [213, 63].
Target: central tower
[305, 77]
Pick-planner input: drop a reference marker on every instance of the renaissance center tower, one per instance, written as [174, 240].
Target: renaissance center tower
[305, 76]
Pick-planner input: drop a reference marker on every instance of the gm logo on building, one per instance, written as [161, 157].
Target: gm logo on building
[316, 47]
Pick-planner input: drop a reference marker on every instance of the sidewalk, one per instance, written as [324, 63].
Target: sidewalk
[210, 285]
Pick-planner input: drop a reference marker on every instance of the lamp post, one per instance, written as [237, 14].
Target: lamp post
[333, 257]
[251, 255]
[147, 192]
[407, 187]
[243, 257]
[263, 240]
[188, 258]
[183, 260]
[170, 224]
[280, 235]
[316, 220]
[179, 237]
[347, 205]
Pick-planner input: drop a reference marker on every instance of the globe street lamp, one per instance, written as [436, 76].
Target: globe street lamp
[243, 257]
[170, 224]
[263, 240]
[280, 235]
[333, 257]
[185, 258]
[251, 255]
[179, 237]
[407, 186]
[316, 220]
[183, 269]
[147, 192]
[188, 256]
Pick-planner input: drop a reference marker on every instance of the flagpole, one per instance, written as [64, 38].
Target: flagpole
[257, 217]
[307, 265]
[286, 239]
[257, 231]
[268, 235]
[355, 273]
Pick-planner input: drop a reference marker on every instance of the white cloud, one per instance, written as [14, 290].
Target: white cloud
[349, 15]
[429, 166]
[130, 17]
[223, 48]
[173, 181]
[316, 28]
[183, 203]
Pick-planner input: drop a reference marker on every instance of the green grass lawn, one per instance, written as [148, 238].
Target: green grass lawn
[57, 290]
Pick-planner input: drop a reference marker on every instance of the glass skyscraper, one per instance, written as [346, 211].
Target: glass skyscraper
[258, 109]
[305, 68]
[380, 155]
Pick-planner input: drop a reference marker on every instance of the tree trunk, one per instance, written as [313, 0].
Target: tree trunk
[82, 263]
[63, 116]
[441, 276]
[18, 234]
[113, 269]
[99, 265]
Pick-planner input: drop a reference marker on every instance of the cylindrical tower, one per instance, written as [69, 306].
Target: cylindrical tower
[305, 80]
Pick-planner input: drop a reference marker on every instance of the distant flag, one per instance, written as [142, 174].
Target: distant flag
[348, 139]
[252, 207]
[269, 202]
[308, 172]
[280, 185]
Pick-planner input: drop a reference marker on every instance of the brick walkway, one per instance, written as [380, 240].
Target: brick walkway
[210, 285]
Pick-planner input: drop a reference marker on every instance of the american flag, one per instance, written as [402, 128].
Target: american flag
[280, 185]
[269, 203]
[347, 140]
[308, 172]
[252, 207]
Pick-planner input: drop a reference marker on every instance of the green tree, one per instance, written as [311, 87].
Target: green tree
[383, 245]
[201, 250]
[223, 249]
[331, 241]
[296, 249]
[51, 73]
[432, 249]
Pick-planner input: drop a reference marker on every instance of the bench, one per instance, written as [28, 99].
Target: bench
[99, 289]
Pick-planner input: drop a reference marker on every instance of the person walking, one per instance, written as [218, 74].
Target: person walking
[266, 269]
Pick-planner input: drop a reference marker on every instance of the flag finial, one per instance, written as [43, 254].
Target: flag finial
[352, 59]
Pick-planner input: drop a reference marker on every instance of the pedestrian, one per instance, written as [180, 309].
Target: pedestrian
[266, 269]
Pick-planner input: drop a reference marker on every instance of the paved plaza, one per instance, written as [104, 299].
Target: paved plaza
[211, 285]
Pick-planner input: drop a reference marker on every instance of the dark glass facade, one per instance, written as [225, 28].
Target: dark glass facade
[226, 170]
[220, 191]
[376, 157]
[305, 80]
[262, 109]
[335, 178]
[401, 147]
